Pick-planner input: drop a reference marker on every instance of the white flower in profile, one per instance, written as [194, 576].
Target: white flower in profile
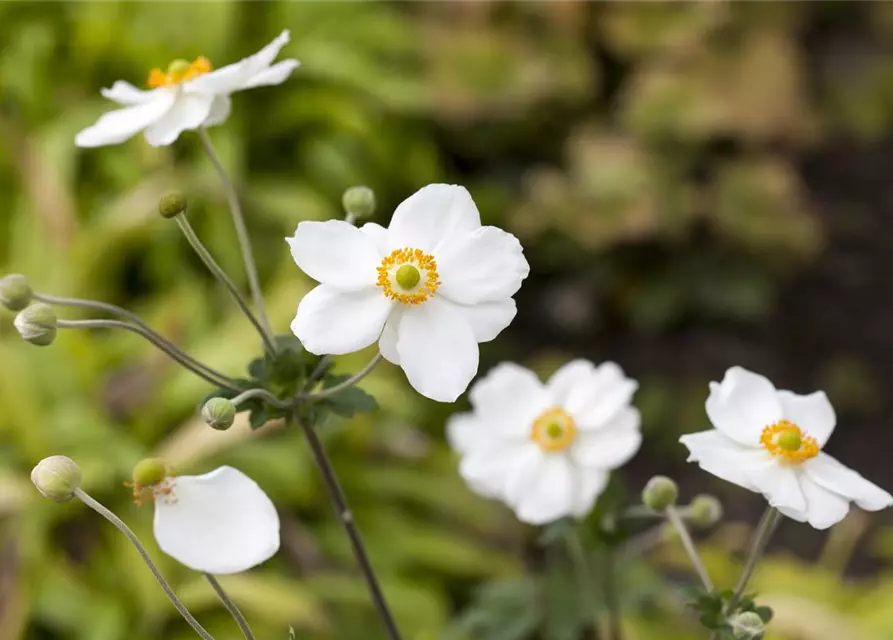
[188, 96]
[428, 288]
[771, 441]
[219, 522]
[547, 450]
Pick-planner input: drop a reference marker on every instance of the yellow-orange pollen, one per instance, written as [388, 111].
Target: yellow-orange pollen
[554, 430]
[408, 276]
[151, 492]
[787, 440]
[178, 71]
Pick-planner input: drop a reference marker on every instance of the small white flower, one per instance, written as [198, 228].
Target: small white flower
[547, 450]
[187, 96]
[220, 522]
[770, 442]
[428, 288]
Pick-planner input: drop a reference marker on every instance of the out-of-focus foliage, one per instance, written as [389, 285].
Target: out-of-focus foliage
[647, 155]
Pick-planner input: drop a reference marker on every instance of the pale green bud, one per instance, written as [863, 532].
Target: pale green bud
[660, 492]
[359, 201]
[219, 413]
[747, 625]
[149, 472]
[37, 324]
[15, 292]
[172, 204]
[56, 478]
[704, 511]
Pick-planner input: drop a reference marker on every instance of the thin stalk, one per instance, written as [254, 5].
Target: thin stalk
[105, 307]
[264, 395]
[583, 570]
[609, 584]
[242, 233]
[354, 379]
[676, 520]
[231, 607]
[131, 536]
[764, 532]
[151, 337]
[220, 274]
[345, 517]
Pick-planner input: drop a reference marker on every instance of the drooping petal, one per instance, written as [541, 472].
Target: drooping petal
[437, 350]
[829, 473]
[589, 485]
[812, 413]
[723, 457]
[387, 343]
[487, 264]
[595, 400]
[611, 446]
[540, 487]
[433, 215]
[335, 253]
[509, 398]
[236, 76]
[487, 466]
[487, 319]
[128, 95]
[119, 125]
[824, 508]
[220, 522]
[743, 405]
[188, 112]
[779, 484]
[333, 322]
[277, 74]
[220, 110]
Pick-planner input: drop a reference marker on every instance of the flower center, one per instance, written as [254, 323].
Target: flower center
[178, 71]
[554, 430]
[787, 440]
[408, 276]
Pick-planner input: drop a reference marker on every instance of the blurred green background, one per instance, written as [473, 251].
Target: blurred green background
[696, 185]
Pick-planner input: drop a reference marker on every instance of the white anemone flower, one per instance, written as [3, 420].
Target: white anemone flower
[428, 288]
[547, 450]
[771, 441]
[219, 522]
[188, 96]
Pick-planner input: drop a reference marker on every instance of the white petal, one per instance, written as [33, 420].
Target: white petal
[218, 523]
[611, 446]
[823, 508]
[541, 487]
[117, 126]
[509, 398]
[571, 375]
[487, 319]
[827, 472]
[337, 322]
[778, 482]
[379, 236]
[277, 74]
[437, 350]
[464, 431]
[335, 253]
[723, 457]
[743, 405]
[487, 467]
[487, 264]
[590, 483]
[236, 76]
[595, 400]
[387, 343]
[813, 413]
[433, 215]
[220, 109]
[128, 95]
[188, 113]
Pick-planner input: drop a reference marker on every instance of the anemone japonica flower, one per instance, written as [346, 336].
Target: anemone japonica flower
[428, 288]
[546, 450]
[187, 96]
[219, 522]
[771, 441]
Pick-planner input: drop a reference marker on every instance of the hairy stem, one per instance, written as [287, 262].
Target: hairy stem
[689, 545]
[231, 607]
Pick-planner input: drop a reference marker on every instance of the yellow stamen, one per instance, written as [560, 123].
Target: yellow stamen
[554, 430]
[787, 440]
[178, 71]
[408, 276]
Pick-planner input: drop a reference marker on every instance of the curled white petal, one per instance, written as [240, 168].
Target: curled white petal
[433, 215]
[829, 473]
[187, 113]
[718, 454]
[742, 405]
[239, 75]
[813, 413]
[120, 125]
[336, 253]
[486, 264]
[824, 508]
[128, 95]
[219, 112]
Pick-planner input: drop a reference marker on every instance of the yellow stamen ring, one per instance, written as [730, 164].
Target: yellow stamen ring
[554, 430]
[178, 71]
[787, 440]
[408, 276]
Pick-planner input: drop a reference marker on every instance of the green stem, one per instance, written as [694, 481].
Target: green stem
[764, 532]
[242, 234]
[131, 536]
[689, 545]
[262, 394]
[231, 607]
[220, 274]
[354, 379]
[583, 570]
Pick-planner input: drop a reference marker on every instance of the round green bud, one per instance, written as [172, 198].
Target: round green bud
[15, 292]
[56, 478]
[149, 472]
[407, 277]
[37, 324]
[172, 203]
[219, 413]
[789, 441]
[704, 511]
[747, 625]
[660, 492]
[359, 201]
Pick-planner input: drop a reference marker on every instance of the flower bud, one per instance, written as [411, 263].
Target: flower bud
[37, 324]
[747, 625]
[15, 292]
[56, 478]
[359, 201]
[171, 204]
[660, 492]
[149, 472]
[704, 511]
[219, 413]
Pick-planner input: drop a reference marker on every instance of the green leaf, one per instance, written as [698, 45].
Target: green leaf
[348, 402]
[765, 613]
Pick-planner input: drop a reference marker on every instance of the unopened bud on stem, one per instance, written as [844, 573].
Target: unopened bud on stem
[172, 204]
[149, 472]
[219, 413]
[359, 202]
[660, 492]
[15, 292]
[56, 478]
[704, 511]
[747, 625]
[37, 324]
